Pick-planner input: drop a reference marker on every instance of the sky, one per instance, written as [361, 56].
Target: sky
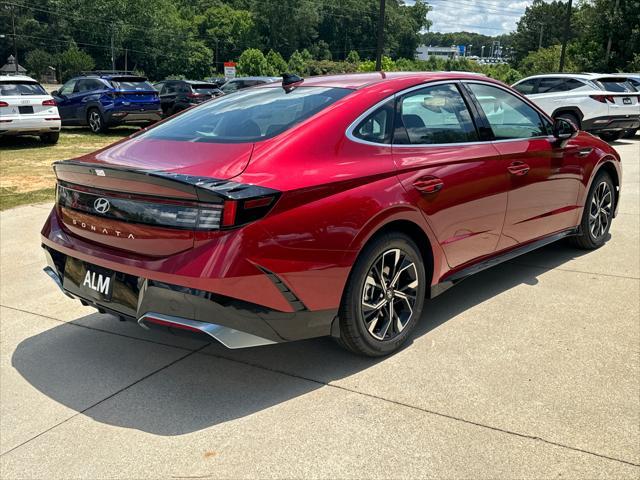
[489, 17]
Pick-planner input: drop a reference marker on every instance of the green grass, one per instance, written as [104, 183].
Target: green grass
[26, 175]
[9, 198]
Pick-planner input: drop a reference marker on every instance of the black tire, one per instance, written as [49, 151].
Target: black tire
[95, 120]
[587, 239]
[380, 255]
[50, 138]
[571, 117]
[611, 136]
[630, 133]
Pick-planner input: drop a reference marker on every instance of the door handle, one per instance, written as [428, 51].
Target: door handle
[518, 168]
[428, 184]
[584, 152]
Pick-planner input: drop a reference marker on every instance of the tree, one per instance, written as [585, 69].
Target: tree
[73, 61]
[298, 64]
[253, 63]
[539, 16]
[545, 60]
[277, 65]
[353, 57]
[38, 62]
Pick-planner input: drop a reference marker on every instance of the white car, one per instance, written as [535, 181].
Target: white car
[27, 109]
[605, 105]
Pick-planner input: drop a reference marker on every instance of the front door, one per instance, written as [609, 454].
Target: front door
[65, 104]
[455, 179]
[544, 177]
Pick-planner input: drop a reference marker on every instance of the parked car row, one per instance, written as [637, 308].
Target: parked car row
[102, 99]
[605, 105]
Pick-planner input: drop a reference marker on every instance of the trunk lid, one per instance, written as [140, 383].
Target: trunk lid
[149, 196]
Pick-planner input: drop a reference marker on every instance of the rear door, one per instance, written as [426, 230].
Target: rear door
[456, 179]
[543, 177]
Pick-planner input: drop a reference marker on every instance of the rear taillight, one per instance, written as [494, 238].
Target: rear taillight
[49, 103]
[603, 98]
[240, 212]
[4, 104]
[149, 211]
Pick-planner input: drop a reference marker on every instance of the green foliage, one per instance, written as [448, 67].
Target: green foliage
[276, 64]
[73, 61]
[320, 50]
[37, 62]
[353, 57]
[370, 65]
[298, 64]
[634, 65]
[548, 16]
[546, 60]
[252, 62]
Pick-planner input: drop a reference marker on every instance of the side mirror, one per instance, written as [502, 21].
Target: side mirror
[564, 129]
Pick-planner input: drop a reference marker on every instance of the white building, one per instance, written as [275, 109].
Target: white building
[424, 52]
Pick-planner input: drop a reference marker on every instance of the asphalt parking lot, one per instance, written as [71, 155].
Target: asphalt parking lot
[530, 369]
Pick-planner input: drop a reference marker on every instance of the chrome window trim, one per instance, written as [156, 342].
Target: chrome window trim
[352, 126]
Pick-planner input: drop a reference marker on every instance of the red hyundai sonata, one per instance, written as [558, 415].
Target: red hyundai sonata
[326, 206]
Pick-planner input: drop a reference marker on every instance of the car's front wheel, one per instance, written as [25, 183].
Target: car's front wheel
[597, 214]
[384, 296]
[95, 121]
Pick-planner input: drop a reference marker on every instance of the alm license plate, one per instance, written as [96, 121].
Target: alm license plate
[97, 282]
[626, 101]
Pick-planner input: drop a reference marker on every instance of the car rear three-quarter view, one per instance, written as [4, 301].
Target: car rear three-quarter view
[331, 205]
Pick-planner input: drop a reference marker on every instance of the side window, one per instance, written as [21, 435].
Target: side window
[508, 116]
[527, 87]
[67, 88]
[376, 127]
[81, 86]
[572, 84]
[551, 84]
[168, 89]
[435, 115]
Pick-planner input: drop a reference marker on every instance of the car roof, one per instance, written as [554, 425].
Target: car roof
[267, 79]
[19, 78]
[581, 76]
[359, 80]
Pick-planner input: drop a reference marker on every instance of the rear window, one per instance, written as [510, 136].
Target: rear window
[203, 88]
[21, 88]
[135, 84]
[248, 115]
[615, 85]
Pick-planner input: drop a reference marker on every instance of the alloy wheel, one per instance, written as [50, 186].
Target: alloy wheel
[600, 210]
[95, 122]
[389, 294]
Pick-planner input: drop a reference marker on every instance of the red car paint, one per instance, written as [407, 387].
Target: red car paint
[335, 195]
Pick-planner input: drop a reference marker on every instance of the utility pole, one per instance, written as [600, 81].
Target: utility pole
[113, 58]
[126, 69]
[15, 48]
[565, 37]
[380, 45]
[615, 9]
[541, 32]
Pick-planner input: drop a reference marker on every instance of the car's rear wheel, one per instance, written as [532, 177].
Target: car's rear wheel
[571, 117]
[384, 296]
[611, 136]
[50, 138]
[95, 121]
[597, 214]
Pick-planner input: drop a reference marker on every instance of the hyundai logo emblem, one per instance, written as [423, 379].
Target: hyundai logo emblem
[101, 205]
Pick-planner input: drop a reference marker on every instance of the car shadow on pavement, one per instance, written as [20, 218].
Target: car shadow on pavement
[217, 385]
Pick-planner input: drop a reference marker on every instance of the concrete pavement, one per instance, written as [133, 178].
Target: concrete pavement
[528, 370]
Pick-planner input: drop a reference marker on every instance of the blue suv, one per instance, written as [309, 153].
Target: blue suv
[104, 99]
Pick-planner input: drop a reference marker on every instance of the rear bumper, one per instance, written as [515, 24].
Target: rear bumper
[611, 123]
[144, 296]
[29, 126]
[120, 117]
